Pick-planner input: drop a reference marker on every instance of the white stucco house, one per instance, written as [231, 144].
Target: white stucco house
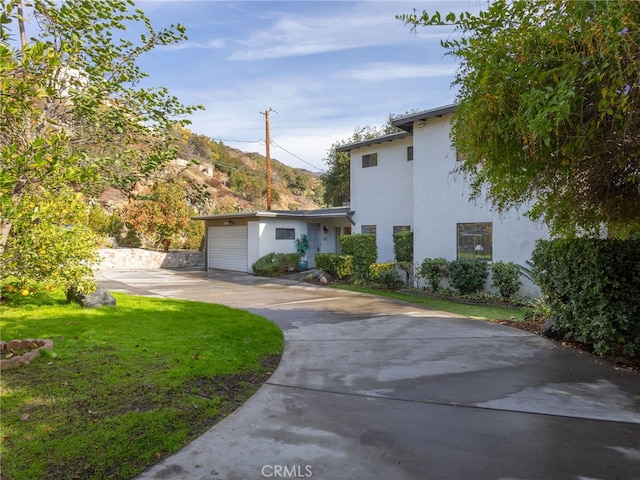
[235, 241]
[407, 181]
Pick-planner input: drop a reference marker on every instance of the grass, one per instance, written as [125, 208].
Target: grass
[491, 312]
[126, 386]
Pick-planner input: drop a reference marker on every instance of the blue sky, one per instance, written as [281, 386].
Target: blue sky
[324, 67]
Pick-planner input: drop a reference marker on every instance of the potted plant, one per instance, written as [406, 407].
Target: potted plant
[302, 245]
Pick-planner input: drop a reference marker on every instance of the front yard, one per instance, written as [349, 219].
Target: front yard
[126, 386]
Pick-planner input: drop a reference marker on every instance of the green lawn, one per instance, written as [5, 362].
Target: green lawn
[491, 312]
[125, 386]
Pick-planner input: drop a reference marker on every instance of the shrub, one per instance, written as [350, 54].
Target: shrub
[434, 270]
[468, 276]
[386, 275]
[403, 246]
[346, 244]
[506, 278]
[365, 253]
[592, 287]
[338, 265]
[275, 264]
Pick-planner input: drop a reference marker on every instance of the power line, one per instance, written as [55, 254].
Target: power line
[296, 156]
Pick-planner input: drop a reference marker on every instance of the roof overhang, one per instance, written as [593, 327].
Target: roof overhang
[335, 212]
[406, 123]
[373, 141]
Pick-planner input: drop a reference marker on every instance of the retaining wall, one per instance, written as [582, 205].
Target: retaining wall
[138, 259]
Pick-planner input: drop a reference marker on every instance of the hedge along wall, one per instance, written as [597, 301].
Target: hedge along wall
[365, 252]
[593, 288]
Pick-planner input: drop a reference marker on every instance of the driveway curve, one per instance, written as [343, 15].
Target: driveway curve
[372, 388]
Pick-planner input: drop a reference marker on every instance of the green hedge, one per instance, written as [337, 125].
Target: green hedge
[275, 264]
[338, 265]
[468, 276]
[365, 252]
[505, 276]
[346, 244]
[403, 246]
[385, 275]
[433, 270]
[593, 288]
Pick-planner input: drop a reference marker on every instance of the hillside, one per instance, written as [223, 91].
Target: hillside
[221, 179]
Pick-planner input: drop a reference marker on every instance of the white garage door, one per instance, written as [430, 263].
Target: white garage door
[227, 248]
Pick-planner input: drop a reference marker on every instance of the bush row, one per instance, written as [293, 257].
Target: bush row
[470, 276]
[592, 287]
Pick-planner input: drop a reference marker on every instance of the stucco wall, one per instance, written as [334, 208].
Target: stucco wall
[383, 195]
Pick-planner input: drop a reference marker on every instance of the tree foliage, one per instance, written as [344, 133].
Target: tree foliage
[549, 108]
[72, 112]
[159, 215]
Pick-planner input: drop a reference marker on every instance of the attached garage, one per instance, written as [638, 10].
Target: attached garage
[227, 248]
[235, 241]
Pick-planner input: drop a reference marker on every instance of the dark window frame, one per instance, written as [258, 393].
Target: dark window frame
[370, 160]
[474, 240]
[285, 233]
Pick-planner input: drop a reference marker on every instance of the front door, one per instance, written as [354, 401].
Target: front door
[313, 232]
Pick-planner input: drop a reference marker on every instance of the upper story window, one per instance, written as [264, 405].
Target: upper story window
[368, 229]
[285, 233]
[369, 160]
[475, 240]
[410, 153]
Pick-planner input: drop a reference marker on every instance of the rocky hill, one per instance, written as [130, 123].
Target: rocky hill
[221, 179]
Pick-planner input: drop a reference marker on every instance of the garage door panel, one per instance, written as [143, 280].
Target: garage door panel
[227, 249]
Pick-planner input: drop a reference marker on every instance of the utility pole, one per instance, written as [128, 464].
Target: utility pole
[268, 155]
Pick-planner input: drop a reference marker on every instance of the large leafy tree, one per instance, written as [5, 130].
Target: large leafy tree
[549, 108]
[72, 113]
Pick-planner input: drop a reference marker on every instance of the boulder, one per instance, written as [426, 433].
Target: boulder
[99, 298]
[549, 328]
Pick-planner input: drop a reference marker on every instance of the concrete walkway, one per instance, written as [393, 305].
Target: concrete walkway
[370, 388]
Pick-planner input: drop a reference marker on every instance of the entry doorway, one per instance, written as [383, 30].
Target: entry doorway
[313, 232]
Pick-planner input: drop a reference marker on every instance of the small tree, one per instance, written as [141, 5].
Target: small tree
[434, 270]
[161, 214]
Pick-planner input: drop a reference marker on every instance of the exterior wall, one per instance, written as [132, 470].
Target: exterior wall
[383, 195]
[441, 201]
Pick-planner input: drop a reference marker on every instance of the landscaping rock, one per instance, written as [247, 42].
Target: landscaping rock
[99, 298]
[548, 328]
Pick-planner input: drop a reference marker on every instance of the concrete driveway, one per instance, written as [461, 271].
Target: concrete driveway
[370, 388]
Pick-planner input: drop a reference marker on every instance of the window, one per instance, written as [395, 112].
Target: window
[401, 228]
[475, 240]
[285, 233]
[370, 160]
[368, 229]
[409, 153]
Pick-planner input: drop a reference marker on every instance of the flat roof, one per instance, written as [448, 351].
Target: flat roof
[317, 213]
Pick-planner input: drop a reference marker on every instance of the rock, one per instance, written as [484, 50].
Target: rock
[548, 328]
[99, 298]
[323, 281]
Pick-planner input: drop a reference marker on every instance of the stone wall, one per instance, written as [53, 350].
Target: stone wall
[138, 259]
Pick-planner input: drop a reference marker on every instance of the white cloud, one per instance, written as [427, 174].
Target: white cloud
[383, 71]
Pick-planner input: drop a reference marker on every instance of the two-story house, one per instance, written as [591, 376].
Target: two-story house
[408, 181]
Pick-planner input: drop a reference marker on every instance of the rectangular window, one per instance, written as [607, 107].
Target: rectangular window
[285, 233]
[475, 240]
[410, 153]
[370, 160]
[401, 228]
[368, 229]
